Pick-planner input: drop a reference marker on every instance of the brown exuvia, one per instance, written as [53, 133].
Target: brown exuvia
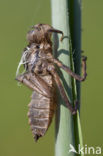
[42, 78]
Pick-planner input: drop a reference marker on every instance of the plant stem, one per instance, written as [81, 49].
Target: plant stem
[64, 119]
[75, 29]
[66, 16]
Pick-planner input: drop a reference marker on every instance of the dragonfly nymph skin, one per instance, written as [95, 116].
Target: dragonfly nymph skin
[41, 76]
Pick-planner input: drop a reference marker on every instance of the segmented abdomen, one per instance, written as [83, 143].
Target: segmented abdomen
[41, 110]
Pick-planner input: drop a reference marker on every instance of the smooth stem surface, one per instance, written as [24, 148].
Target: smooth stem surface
[64, 119]
[75, 29]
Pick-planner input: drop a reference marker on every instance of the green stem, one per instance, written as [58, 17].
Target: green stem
[66, 16]
[75, 29]
[64, 119]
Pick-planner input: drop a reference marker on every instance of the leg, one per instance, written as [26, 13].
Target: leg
[68, 70]
[61, 89]
[57, 31]
[35, 83]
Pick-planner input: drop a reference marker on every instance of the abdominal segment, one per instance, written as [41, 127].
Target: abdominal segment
[41, 110]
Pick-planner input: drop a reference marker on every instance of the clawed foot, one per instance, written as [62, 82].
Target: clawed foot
[74, 111]
[84, 58]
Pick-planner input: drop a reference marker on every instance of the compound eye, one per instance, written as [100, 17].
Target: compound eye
[40, 24]
[37, 28]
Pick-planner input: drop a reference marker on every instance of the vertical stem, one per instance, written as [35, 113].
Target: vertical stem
[66, 16]
[64, 119]
[75, 29]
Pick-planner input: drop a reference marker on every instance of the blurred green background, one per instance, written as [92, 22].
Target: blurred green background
[16, 17]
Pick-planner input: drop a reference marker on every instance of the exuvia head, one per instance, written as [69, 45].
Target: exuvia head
[41, 33]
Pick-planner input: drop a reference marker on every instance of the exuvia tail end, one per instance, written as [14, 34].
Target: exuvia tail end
[36, 137]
